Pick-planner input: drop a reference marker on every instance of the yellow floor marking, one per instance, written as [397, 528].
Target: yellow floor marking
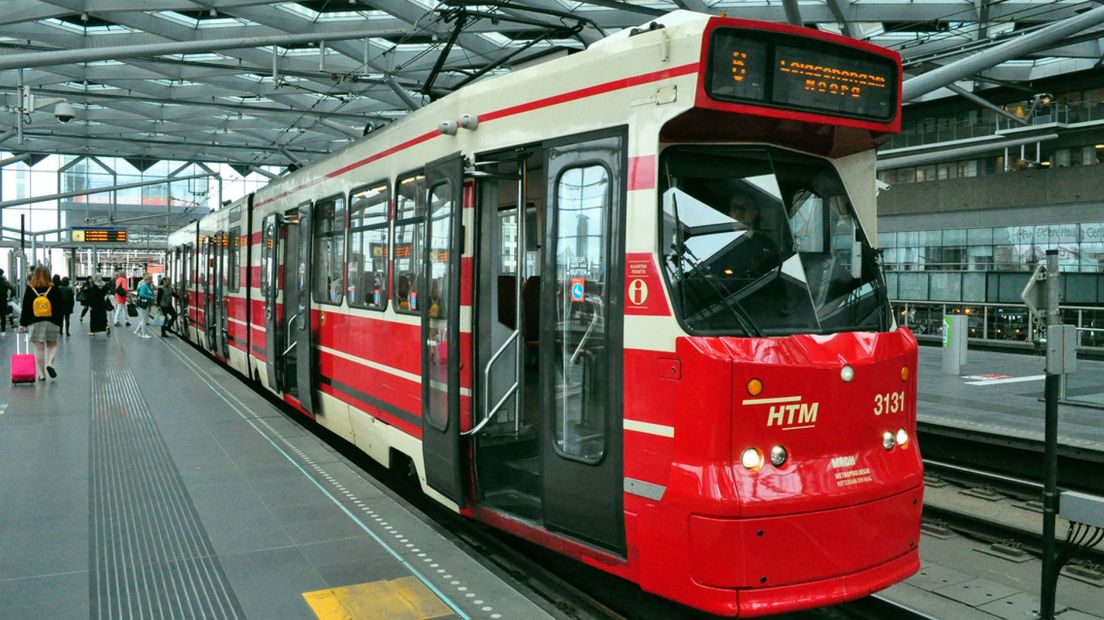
[406, 598]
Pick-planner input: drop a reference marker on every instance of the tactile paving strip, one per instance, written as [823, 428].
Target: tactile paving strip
[149, 555]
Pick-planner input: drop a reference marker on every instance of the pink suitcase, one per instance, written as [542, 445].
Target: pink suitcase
[22, 364]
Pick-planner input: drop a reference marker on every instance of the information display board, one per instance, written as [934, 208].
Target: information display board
[98, 234]
[811, 75]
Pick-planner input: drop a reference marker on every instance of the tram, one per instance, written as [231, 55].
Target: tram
[625, 305]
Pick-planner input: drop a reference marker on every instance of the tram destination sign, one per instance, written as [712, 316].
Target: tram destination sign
[809, 75]
[98, 234]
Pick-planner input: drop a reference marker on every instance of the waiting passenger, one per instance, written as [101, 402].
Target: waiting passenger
[121, 299]
[145, 302]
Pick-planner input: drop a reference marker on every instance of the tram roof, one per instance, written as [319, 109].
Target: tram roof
[260, 83]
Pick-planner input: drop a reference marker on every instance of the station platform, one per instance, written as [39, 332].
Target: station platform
[146, 482]
[1000, 393]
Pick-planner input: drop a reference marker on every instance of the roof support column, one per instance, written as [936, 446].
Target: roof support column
[793, 12]
[839, 11]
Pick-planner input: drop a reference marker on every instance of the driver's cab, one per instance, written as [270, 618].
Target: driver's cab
[761, 241]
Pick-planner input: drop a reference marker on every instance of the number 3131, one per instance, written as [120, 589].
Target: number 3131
[890, 402]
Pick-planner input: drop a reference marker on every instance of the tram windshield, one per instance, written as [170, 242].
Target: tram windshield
[763, 241]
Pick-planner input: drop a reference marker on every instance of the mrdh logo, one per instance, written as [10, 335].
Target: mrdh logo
[788, 412]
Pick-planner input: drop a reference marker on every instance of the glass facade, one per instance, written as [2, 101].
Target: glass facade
[48, 221]
[1002, 248]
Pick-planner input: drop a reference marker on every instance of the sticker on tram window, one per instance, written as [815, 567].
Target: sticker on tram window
[578, 289]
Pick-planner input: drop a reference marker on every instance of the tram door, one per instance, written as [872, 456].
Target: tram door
[301, 327]
[185, 286]
[271, 247]
[580, 352]
[444, 243]
[222, 337]
[547, 346]
[283, 338]
[210, 274]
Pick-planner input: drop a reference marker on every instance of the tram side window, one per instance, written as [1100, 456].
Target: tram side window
[233, 279]
[581, 373]
[329, 251]
[366, 281]
[409, 222]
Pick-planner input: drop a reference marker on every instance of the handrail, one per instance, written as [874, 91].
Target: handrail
[292, 345]
[487, 415]
[586, 336]
[498, 406]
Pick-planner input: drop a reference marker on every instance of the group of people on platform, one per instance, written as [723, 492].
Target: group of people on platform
[48, 302]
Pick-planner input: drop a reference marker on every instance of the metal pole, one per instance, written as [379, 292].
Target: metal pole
[118, 52]
[1050, 458]
[888, 162]
[20, 112]
[97, 190]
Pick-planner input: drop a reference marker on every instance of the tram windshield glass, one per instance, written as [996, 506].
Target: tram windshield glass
[763, 241]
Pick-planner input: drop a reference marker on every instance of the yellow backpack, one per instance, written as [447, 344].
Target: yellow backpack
[41, 304]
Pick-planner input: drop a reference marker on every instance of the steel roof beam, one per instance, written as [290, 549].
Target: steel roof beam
[1042, 39]
[64, 57]
[986, 104]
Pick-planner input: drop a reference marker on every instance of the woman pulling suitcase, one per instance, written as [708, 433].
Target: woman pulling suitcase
[41, 318]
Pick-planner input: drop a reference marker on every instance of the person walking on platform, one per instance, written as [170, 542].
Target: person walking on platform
[95, 301]
[41, 317]
[82, 297]
[165, 302]
[68, 301]
[7, 292]
[145, 302]
[120, 299]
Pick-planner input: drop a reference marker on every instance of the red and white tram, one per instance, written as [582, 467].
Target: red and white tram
[624, 304]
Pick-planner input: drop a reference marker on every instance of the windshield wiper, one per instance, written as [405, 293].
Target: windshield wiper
[680, 253]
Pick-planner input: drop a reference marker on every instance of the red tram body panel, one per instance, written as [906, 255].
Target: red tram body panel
[627, 307]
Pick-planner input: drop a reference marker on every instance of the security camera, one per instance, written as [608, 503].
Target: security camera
[65, 112]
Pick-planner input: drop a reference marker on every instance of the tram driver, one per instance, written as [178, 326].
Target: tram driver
[755, 253]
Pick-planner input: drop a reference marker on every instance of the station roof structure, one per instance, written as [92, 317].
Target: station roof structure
[263, 83]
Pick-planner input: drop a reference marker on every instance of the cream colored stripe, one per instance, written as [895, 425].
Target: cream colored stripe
[383, 368]
[375, 365]
[769, 401]
[651, 333]
[649, 428]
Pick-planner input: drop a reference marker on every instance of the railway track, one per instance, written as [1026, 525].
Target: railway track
[1015, 458]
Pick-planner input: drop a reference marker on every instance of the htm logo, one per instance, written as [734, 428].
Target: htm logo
[788, 412]
[802, 415]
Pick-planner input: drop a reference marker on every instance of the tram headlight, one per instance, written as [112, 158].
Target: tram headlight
[751, 459]
[778, 456]
[902, 437]
[887, 440]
